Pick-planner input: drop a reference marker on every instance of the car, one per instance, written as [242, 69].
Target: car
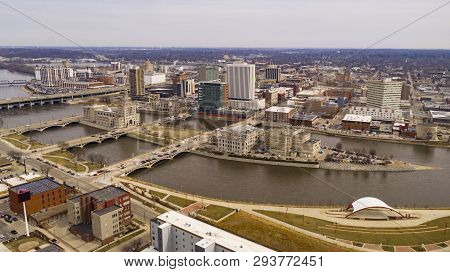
[14, 232]
[54, 241]
[14, 219]
[2, 236]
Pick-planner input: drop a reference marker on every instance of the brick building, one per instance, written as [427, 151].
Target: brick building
[279, 114]
[88, 213]
[356, 122]
[45, 193]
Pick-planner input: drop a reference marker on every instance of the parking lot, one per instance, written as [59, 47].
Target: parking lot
[5, 227]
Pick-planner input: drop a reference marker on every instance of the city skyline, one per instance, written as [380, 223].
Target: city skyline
[240, 24]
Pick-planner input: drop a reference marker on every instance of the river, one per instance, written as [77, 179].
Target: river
[263, 183]
[13, 91]
[287, 185]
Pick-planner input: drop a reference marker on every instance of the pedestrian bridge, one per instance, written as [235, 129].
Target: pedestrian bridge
[153, 162]
[42, 126]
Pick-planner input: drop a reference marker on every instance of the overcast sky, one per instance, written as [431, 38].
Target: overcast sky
[227, 23]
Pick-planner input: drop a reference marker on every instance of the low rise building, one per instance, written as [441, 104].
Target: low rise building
[154, 78]
[286, 141]
[123, 116]
[175, 232]
[311, 148]
[378, 114]
[356, 122]
[237, 139]
[45, 193]
[101, 214]
[279, 114]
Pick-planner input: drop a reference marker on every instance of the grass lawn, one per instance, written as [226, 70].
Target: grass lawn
[180, 202]
[272, 235]
[157, 194]
[16, 143]
[215, 212]
[432, 232]
[22, 142]
[121, 240]
[65, 159]
[14, 245]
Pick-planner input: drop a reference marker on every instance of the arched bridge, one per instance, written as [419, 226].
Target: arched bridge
[152, 162]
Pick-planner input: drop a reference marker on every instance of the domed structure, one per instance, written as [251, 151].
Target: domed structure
[371, 208]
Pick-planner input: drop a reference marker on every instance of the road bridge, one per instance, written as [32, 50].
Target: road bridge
[41, 100]
[42, 126]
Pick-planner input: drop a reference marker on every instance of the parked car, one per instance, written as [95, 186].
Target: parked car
[2, 236]
[54, 241]
[14, 232]
[14, 219]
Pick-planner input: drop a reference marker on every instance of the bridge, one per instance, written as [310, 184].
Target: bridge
[6, 83]
[42, 126]
[55, 98]
[172, 119]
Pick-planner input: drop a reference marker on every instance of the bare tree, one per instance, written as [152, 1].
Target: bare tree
[45, 169]
[63, 145]
[372, 152]
[339, 146]
[17, 156]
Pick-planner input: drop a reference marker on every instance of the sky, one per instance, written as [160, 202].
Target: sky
[227, 23]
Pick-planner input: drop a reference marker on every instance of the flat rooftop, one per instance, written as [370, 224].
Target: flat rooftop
[38, 186]
[220, 237]
[280, 109]
[107, 210]
[103, 194]
[357, 118]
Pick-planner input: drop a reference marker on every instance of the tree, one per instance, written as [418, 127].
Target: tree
[63, 146]
[45, 169]
[17, 156]
[372, 152]
[339, 146]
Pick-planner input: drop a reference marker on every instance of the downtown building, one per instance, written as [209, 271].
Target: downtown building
[288, 141]
[238, 139]
[175, 232]
[208, 73]
[101, 214]
[137, 84]
[53, 76]
[272, 72]
[241, 81]
[183, 85]
[384, 93]
[212, 96]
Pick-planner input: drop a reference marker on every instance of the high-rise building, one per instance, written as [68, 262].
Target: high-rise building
[241, 81]
[116, 65]
[273, 72]
[209, 73]
[384, 93]
[212, 96]
[182, 85]
[136, 82]
[53, 76]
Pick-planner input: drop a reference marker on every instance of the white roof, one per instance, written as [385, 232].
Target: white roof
[369, 202]
[280, 109]
[220, 237]
[440, 114]
[357, 118]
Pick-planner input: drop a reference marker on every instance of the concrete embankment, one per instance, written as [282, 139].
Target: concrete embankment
[379, 139]
[256, 161]
[397, 167]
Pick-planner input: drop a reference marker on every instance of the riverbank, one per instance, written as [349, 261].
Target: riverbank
[258, 161]
[397, 166]
[379, 139]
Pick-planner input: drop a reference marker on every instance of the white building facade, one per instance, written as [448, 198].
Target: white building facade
[175, 232]
[384, 93]
[241, 81]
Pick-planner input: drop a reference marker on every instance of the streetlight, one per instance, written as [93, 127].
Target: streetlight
[24, 195]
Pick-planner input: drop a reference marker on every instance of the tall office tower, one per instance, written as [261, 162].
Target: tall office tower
[136, 82]
[406, 91]
[212, 96]
[273, 72]
[384, 93]
[241, 81]
[208, 73]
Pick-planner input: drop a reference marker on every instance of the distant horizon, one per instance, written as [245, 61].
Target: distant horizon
[218, 47]
[281, 24]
